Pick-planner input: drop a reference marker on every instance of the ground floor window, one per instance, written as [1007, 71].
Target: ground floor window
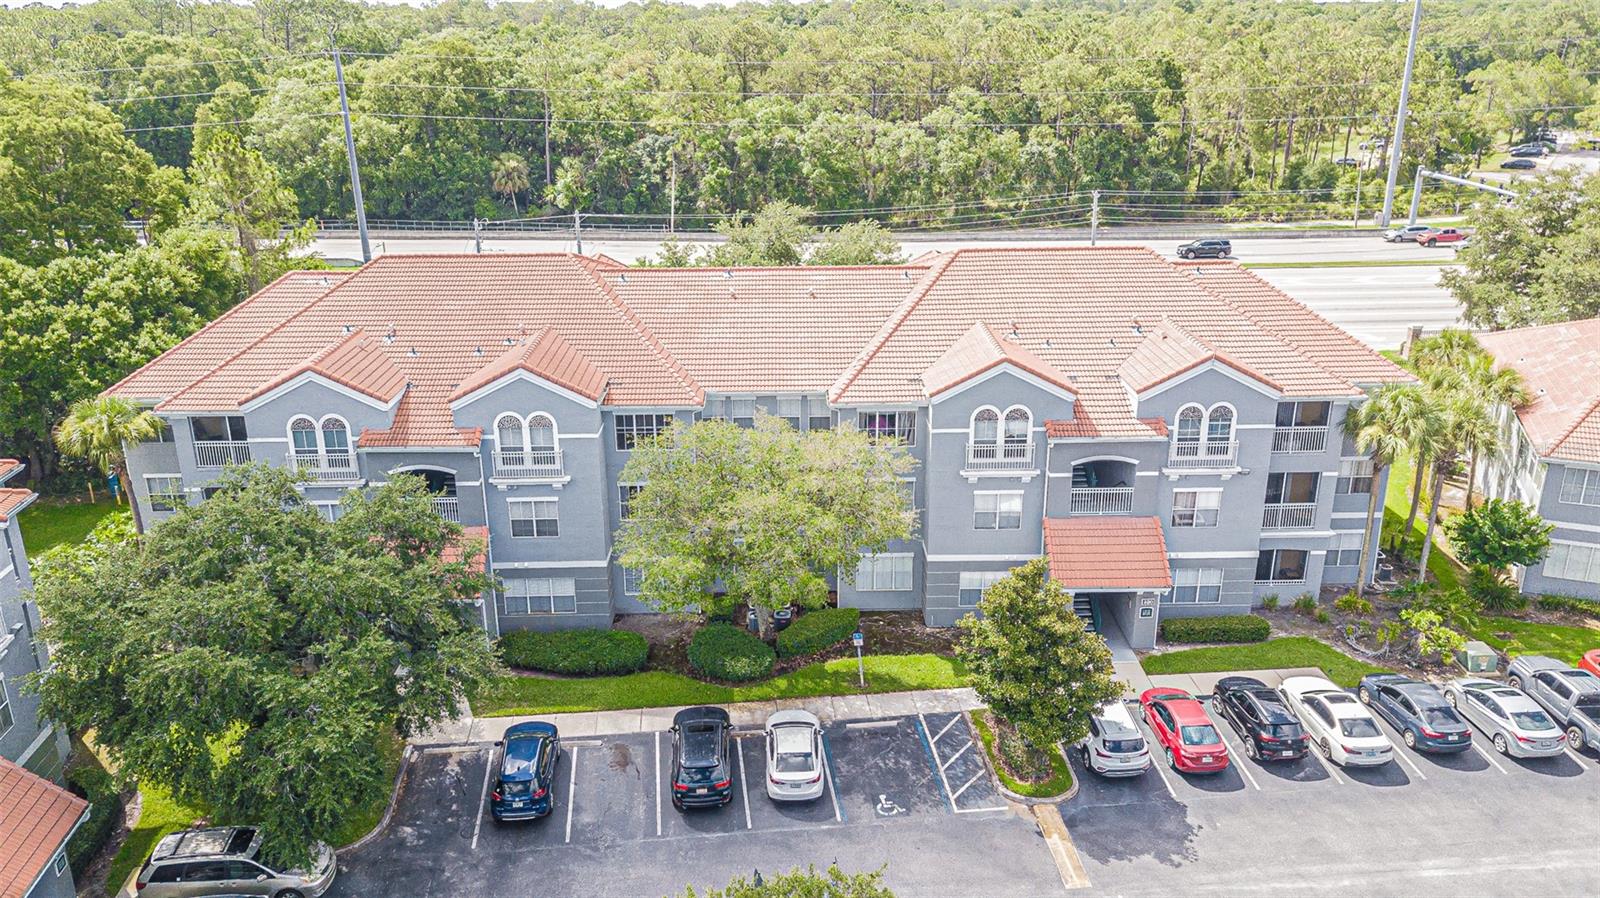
[539, 595]
[332, 511]
[6, 720]
[884, 573]
[974, 584]
[1281, 566]
[1346, 549]
[165, 491]
[632, 577]
[1573, 561]
[1195, 586]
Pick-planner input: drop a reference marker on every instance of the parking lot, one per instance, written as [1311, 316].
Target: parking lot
[1472, 823]
[912, 792]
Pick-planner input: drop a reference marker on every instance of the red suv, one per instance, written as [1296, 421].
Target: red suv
[1441, 235]
[1182, 727]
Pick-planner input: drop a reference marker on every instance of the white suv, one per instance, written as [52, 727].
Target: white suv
[1114, 746]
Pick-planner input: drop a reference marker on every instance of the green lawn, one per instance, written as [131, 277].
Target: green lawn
[1563, 643]
[51, 522]
[1397, 502]
[516, 695]
[1288, 651]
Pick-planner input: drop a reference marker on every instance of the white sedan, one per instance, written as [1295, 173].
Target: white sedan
[794, 756]
[1340, 728]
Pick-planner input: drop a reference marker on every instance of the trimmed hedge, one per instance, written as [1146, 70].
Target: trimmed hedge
[105, 812]
[578, 652]
[1569, 603]
[1230, 628]
[816, 630]
[726, 652]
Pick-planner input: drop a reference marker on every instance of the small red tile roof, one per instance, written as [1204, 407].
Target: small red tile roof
[1107, 553]
[980, 349]
[1168, 351]
[546, 355]
[9, 467]
[1084, 427]
[13, 500]
[36, 817]
[456, 550]
[354, 361]
[1558, 364]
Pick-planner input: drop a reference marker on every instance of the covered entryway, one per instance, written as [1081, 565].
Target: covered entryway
[1116, 569]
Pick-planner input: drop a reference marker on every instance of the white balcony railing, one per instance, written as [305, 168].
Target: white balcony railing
[1204, 454]
[1289, 516]
[331, 467]
[216, 453]
[999, 456]
[1102, 500]
[529, 462]
[449, 507]
[1300, 439]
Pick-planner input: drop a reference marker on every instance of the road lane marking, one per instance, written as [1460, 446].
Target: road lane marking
[947, 727]
[1157, 762]
[658, 782]
[969, 782]
[1062, 851]
[933, 755]
[744, 788]
[483, 798]
[959, 752]
[1487, 756]
[827, 773]
[1241, 760]
[1400, 751]
[572, 790]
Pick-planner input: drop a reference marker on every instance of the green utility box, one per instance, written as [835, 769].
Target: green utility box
[1477, 657]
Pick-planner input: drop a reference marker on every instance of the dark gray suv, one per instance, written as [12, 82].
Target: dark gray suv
[227, 860]
[1206, 249]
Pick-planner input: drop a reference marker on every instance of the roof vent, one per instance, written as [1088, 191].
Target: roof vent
[1048, 344]
[349, 329]
[477, 350]
[1138, 328]
[1013, 335]
[727, 272]
[510, 342]
[811, 292]
[905, 274]
[623, 277]
[412, 352]
[389, 337]
[1113, 341]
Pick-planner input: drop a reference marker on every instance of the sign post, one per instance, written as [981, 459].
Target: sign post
[861, 670]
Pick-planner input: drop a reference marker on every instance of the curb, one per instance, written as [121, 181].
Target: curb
[388, 812]
[1013, 797]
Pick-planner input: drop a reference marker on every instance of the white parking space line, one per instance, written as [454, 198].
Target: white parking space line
[1574, 753]
[1400, 750]
[946, 727]
[744, 783]
[934, 750]
[1327, 764]
[1157, 760]
[959, 752]
[1240, 759]
[827, 782]
[1488, 755]
[572, 790]
[658, 782]
[483, 797]
[975, 777]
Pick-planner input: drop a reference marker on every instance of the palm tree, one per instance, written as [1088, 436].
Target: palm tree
[1493, 388]
[508, 175]
[97, 429]
[1463, 413]
[1385, 427]
[1427, 437]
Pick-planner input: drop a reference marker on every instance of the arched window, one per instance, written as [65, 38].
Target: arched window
[542, 440]
[1018, 434]
[303, 437]
[335, 436]
[1187, 439]
[512, 440]
[1219, 430]
[985, 427]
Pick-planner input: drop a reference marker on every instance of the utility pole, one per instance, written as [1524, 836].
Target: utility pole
[350, 151]
[1356, 221]
[477, 235]
[548, 180]
[1094, 216]
[1416, 194]
[1400, 116]
[577, 230]
[672, 194]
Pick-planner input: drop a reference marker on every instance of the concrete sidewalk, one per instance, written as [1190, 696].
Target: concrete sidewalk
[1203, 683]
[466, 729]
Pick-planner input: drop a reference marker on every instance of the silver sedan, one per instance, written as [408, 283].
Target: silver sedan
[1512, 721]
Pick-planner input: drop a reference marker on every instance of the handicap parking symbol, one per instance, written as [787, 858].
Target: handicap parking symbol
[888, 808]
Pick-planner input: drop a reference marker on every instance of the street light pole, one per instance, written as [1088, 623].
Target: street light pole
[350, 151]
[1400, 116]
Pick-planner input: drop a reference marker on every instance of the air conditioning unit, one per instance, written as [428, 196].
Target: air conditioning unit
[1476, 657]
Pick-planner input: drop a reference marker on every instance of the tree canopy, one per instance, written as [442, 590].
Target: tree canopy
[249, 654]
[807, 883]
[1500, 533]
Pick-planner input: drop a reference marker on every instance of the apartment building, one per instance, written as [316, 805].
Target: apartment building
[1169, 434]
[1550, 449]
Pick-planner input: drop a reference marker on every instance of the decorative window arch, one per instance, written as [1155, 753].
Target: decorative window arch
[1018, 431]
[303, 437]
[1191, 421]
[1219, 429]
[985, 426]
[335, 436]
[543, 441]
[511, 435]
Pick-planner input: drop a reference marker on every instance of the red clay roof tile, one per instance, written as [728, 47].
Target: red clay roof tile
[9, 467]
[1558, 364]
[354, 361]
[1107, 553]
[978, 350]
[13, 500]
[544, 354]
[36, 817]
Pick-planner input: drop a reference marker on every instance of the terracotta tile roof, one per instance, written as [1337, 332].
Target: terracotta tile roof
[455, 551]
[9, 467]
[1085, 427]
[979, 349]
[354, 361]
[765, 330]
[1167, 351]
[13, 500]
[1107, 553]
[1558, 364]
[546, 355]
[36, 817]
[205, 349]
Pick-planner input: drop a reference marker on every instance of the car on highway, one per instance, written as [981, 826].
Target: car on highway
[525, 786]
[1436, 236]
[794, 756]
[1512, 722]
[1269, 730]
[1421, 713]
[1590, 661]
[1518, 164]
[1114, 746]
[702, 774]
[228, 861]
[1340, 728]
[1184, 731]
[1529, 150]
[1206, 249]
[1348, 161]
[1406, 233]
[1571, 696]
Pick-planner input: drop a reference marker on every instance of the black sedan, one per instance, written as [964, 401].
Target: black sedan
[702, 773]
[1523, 164]
[1420, 712]
[1268, 728]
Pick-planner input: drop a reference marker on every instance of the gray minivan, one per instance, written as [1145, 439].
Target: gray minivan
[227, 860]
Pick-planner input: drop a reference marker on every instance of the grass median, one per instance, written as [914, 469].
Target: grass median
[1288, 651]
[522, 695]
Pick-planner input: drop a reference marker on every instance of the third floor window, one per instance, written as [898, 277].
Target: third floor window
[900, 426]
[1580, 487]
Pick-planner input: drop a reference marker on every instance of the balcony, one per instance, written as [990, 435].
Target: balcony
[1300, 439]
[332, 467]
[1000, 456]
[1102, 500]
[1289, 516]
[449, 507]
[530, 463]
[1203, 456]
[216, 453]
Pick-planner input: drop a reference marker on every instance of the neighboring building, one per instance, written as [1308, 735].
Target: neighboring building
[37, 815]
[1050, 396]
[1550, 449]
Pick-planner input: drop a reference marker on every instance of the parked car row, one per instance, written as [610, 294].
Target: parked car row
[1543, 708]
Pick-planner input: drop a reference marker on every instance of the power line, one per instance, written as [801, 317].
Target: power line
[166, 66]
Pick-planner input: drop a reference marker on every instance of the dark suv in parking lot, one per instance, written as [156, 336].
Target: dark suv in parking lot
[1206, 249]
[701, 773]
[1269, 730]
[528, 756]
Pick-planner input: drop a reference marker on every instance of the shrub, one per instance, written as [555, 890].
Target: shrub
[1232, 628]
[726, 652]
[1305, 603]
[105, 811]
[1492, 591]
[816, 630]
[1323, 616]
[578, 652]
[1569, 603]
[1270, 601]
[1350, 603]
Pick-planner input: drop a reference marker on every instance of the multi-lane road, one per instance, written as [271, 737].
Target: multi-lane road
[1374, 301]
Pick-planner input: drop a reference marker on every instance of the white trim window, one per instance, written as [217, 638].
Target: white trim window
[7, 721]
[984, 430]
[790, 409]
[625, 494]
[632, 581]
[1018, 432]
[1355, 477]
[1195, 586]
[997, 511]
[1573, 561]
[633, 428]
[1281, 565]
[1580, 486]
[539, 595]
[742, 412]
[165, 491]
[1196, 508]
[59, 866]
[1219, 428]
[1345, 551]
[884, 573]
[1191, 421]
[818, 415]
[900, 426]
[974, 584]
[330, 511]
[534, 518]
